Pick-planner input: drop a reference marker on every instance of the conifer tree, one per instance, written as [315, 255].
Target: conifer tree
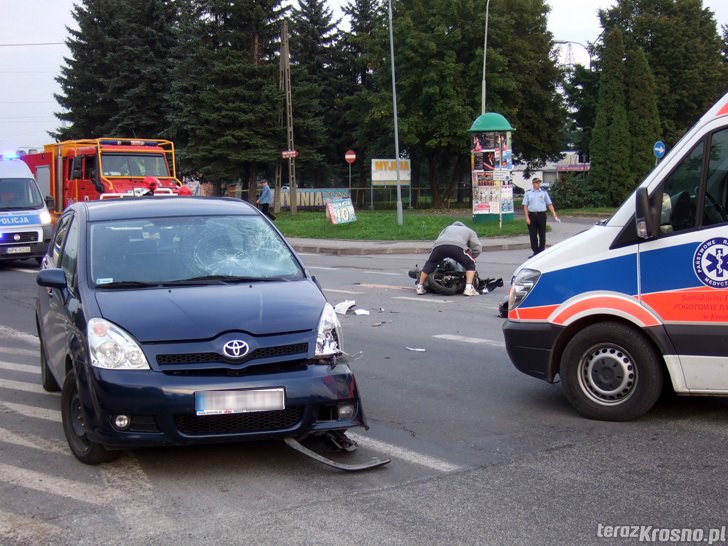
[683, 49]
[609, 175]
[644, 119]
[312, 45]
[232, 111]
[116, 80]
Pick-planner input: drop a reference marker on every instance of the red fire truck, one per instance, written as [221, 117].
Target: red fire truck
[102, 168]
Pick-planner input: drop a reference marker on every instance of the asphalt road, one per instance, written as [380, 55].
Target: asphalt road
[481, 454]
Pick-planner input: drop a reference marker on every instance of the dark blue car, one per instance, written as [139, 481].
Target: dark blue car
[181, 320]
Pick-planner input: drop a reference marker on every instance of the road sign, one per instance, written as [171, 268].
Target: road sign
[289, 154]
[659, 149]
[350, 157]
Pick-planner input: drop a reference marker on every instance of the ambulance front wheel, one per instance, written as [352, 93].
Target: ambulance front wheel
[611, 372]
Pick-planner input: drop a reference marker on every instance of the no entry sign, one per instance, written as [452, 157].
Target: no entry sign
[350, 157]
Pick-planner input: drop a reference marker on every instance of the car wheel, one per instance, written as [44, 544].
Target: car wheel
[46, 377]
[612, 372]
[74, 425]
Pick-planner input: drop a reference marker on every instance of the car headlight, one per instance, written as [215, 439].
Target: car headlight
[45, 217]
[329, 340]
[521, 286]
[113, 348]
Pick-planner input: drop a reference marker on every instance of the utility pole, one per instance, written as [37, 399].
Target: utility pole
[286, 86]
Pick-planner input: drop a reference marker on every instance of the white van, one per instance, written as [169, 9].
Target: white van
[640, 301]
[25, 223]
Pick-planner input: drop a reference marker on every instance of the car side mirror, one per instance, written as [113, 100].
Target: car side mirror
[644, 221]
[50, 202]
[51, 278]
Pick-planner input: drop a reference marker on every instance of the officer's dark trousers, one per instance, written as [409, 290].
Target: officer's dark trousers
[537, 231]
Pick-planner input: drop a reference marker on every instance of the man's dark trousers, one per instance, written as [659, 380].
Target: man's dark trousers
[537, 231]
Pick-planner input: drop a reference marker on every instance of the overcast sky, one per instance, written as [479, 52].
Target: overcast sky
[27, 71]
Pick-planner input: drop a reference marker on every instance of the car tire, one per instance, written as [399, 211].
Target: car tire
[47, 380]
[610, 371]
[74, 426]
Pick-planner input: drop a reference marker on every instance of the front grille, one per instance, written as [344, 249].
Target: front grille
[23, 237]
[206, 358]
[238, 423]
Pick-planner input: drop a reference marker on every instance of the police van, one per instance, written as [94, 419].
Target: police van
[25, 223]
[639, 302]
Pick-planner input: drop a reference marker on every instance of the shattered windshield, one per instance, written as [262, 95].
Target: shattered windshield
[188, 251]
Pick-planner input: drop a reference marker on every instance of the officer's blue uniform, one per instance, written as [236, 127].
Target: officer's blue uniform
[537, 201]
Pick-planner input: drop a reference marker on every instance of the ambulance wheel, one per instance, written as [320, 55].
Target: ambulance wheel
[611, 372]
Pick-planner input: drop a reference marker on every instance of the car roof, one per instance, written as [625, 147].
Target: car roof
[152, 207]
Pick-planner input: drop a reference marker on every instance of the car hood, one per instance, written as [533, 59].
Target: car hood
[203, 312]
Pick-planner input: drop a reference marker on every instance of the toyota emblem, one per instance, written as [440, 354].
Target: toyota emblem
[235, 349]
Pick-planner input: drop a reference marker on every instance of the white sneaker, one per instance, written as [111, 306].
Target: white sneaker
[420, 289]
[470, 291]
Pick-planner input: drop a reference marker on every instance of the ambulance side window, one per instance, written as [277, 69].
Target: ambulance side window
[716, 187]
[680, 193]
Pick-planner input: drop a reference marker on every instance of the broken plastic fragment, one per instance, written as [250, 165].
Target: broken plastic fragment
[361, 312]
[415, 349]
[343, 307]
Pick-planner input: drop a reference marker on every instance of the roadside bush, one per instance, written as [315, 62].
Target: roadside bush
[573, 191]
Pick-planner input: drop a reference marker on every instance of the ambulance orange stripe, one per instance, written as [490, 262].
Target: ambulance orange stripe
[703, 305]
[625, 306]
[534, 313]
[723, 110]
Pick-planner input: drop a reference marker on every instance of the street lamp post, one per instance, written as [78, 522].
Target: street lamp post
[485, 51]
[394, 109]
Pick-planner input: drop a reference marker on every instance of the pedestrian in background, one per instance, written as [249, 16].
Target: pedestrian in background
[535, 203]
[266, 200]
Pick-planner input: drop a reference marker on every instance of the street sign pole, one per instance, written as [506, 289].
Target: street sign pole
[350, 157]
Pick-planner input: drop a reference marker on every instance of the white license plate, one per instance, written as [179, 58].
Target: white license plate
[220, 402]
[18, 250]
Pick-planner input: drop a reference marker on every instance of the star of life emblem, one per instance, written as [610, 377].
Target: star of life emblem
[710, 262]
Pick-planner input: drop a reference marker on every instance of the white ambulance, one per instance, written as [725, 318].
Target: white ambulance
[25, 223]
[639, 302]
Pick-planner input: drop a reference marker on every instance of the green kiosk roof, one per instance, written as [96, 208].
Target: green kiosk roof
[490, 121]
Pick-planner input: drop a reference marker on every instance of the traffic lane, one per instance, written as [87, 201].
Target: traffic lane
[17, 281]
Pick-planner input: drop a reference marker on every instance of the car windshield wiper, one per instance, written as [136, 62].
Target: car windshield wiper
[126, 284]
[220, 279]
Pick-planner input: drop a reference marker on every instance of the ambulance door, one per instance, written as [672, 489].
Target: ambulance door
[684, 269]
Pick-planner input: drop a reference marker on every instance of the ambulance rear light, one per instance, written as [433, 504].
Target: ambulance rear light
[521, 286]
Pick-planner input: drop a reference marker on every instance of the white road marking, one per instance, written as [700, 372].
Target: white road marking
[11, 366]
[47, 483]
[20, 352]
[49, 445]
[404, 454]
[34, 411]
[322, 268]
[464, 339]
[383, 273]
[22, 270]
[21, 386]
[342, 291]
[420, 298]
[6, 332]
[19, 529]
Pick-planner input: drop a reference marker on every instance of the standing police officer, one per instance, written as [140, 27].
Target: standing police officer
[535, 203]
